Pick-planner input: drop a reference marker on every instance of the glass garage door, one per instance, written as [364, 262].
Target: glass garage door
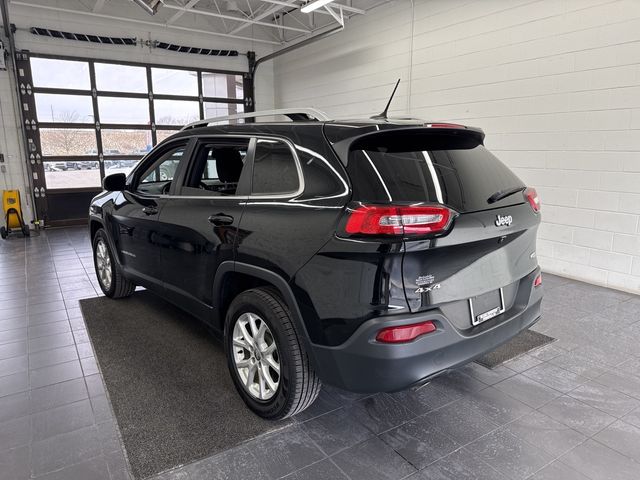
[94, 118]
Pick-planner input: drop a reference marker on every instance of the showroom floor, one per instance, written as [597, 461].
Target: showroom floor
[570, 410]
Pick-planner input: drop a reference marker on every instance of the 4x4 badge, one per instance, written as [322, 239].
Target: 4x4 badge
[503, 220]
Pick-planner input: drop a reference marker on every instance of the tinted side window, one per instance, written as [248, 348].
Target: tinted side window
[161, 171]
[274, 169]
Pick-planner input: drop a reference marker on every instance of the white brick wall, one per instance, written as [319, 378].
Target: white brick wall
[554, 83]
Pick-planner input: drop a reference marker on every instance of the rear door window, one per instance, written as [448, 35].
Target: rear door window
[275, 171]
[463, 179]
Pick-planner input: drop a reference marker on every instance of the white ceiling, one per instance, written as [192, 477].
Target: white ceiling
[277, 22]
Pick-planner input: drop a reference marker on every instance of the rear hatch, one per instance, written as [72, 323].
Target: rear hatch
[483, 252]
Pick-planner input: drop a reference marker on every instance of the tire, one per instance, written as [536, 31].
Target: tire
[3, 232]
[107, 269]
[297, 386]
[25, 231]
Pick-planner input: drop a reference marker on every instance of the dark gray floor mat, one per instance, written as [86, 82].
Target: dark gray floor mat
[521, 343]
[168, 382]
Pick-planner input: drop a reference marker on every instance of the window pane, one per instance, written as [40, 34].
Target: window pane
[222, 85]
[123, 110]
[162, 134]
[274, 169]
[64, 108]
[174, 82]
[68, 141]
[165, 168]
[52, 73]
[72, 174]
[176, 112]
[120, 166]
[212, 110]
[121, 78]
[126, 142]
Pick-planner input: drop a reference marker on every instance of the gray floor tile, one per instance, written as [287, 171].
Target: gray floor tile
[336, 431]
[522, 363]
[460, 465]
[527, 390]
[58, 394]
[372, 460]
[420, 442]
[14, 464]
[633, 417]
[14, 383]
[553, 437]
[604, 398]
[510, 455]
[95, 385]
[12, 365]
[490, 376]
[93, 469]
[460, 422]
[64, 450]
[49, 317]
[46, 307]
[45, 329]
[558, 471]
[14, 406]
[623, 437]
[11, 336]
[50, 341]
[379, 413]
[15, 349]
[323, 404]
[599, 462]
[555, 377]
[577, 415]
[323, 470]
[496, 406]
[622, 382]
[295, 451]
[235, 464]
[62, 419]
[14, 433]
[426, 398]
[576, 362]
[54, 356]
[61, 372]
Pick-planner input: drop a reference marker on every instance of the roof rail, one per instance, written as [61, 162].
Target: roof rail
[295, 114]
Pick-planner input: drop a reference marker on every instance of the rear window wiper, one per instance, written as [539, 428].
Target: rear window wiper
[504, 194]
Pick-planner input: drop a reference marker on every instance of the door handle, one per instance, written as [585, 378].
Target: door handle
[221, 219]
[150, 210]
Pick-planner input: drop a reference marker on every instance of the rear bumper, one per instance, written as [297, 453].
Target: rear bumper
[362, 364]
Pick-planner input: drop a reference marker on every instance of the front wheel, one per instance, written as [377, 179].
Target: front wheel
[266, 359]
[110, 278]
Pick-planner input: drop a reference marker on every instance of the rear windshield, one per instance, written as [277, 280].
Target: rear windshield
[463, 179]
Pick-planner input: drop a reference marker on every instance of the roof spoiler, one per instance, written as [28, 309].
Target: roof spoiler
[441, 135]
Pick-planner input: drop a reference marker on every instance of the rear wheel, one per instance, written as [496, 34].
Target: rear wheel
[267, 361]
[110, 278]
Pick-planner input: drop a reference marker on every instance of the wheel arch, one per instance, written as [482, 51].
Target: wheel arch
[232, 278]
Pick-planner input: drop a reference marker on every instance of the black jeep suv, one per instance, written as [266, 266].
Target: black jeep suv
[370, 255]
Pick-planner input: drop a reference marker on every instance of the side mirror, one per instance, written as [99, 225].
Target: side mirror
[116, 182]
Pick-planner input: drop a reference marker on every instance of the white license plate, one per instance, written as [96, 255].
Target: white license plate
[478, 318]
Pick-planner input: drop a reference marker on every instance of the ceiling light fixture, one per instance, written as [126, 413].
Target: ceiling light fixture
[314, 5]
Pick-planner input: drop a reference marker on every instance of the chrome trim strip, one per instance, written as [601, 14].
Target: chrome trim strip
[312, 113]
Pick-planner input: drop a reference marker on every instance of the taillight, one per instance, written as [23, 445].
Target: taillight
[532, 197]
[538, 281]
[444, 125]
[397, 220]
[405, 333]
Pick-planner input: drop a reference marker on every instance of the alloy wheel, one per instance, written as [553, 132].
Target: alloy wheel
[103, 264]
[256, 357]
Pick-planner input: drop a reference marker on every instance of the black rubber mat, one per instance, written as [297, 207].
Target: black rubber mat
[168, 382]
[522, 343]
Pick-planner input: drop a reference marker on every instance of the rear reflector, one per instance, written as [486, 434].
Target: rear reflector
[398, 220]
[538, 281]
[444, 125]
[405, 333]
[532, 197]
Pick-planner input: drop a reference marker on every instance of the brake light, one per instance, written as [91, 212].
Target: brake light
[538, 281]
[397, 220]
[532, 197]
[405, 333]
[444, 125]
